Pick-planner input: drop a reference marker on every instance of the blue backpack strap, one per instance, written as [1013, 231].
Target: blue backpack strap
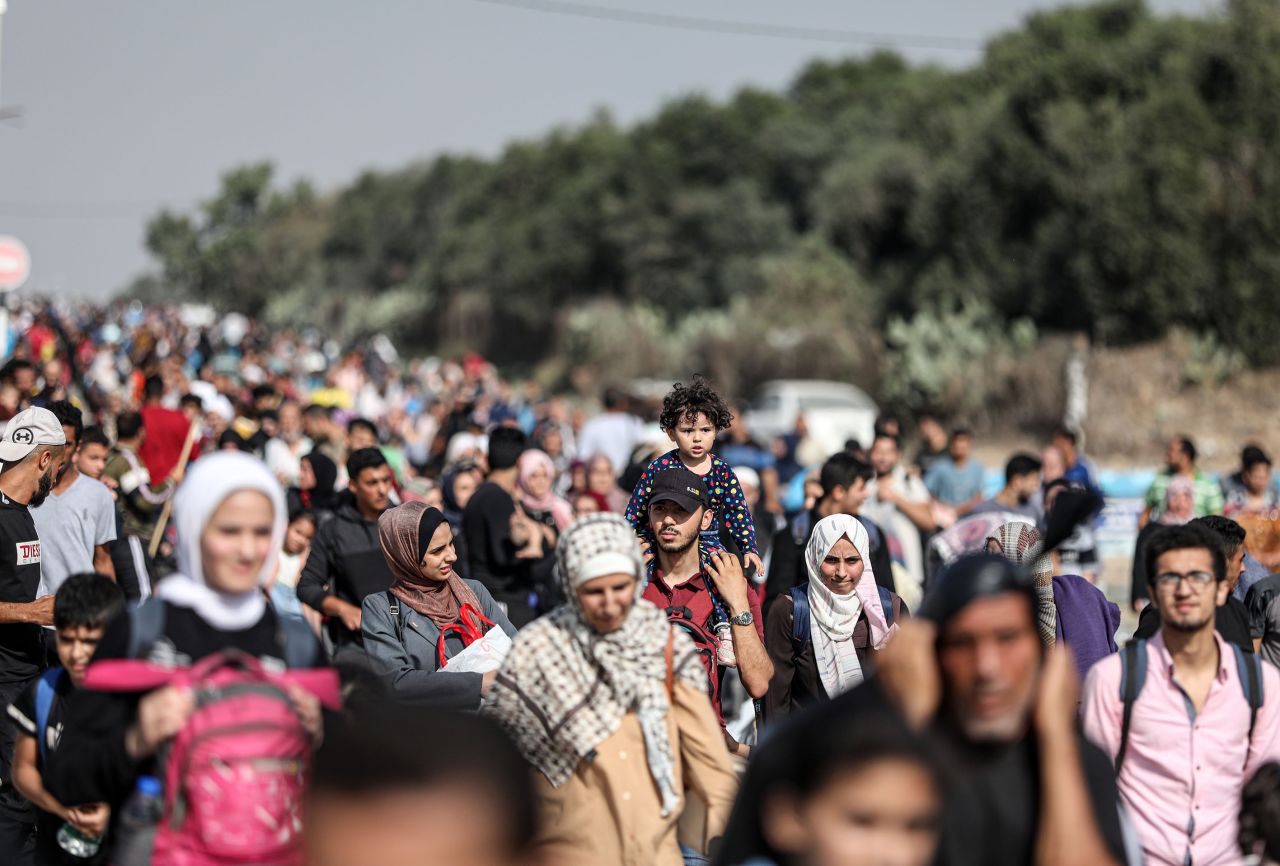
[46, 688]
[146, 626]
[886, 602]
[1249, 667]
[800, 626]
[1133, 675]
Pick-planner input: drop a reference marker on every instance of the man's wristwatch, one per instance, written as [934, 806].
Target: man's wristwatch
[744, 618]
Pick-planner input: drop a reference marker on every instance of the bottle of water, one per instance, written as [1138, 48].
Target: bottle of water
[76, 843]
[138, 822]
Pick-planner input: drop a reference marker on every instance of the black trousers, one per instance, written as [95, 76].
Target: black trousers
[17, 816]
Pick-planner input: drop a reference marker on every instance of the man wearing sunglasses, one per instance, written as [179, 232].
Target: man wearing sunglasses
[1187, 715]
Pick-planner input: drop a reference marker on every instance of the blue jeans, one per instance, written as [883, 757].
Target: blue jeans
[692, 857]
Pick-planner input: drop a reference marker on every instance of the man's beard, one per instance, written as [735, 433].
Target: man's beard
[42, 492]
[679, 546]
[1189, 626]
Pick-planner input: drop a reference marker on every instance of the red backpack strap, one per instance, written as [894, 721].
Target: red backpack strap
[321, 682]
[128, 675]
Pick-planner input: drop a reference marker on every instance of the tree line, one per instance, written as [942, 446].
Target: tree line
[1101, 169]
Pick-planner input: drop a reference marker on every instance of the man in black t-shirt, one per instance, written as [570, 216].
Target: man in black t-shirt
[979, 680]
[502, 542]
[31, 454]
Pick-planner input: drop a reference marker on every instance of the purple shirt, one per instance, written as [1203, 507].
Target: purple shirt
[1183, 771]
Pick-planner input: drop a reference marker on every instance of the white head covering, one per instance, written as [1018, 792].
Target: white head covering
[836, 615]
[207, 485]
[564, 688]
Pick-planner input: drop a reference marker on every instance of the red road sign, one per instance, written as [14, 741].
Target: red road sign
[15, 263]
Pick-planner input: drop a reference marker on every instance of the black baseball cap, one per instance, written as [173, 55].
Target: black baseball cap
[681, 487]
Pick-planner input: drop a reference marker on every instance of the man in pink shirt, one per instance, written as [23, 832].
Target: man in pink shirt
[1204, 716]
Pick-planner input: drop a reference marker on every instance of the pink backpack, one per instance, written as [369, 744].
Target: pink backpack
[234, 777]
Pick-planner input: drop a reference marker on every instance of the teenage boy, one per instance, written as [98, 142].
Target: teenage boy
[1187, 716]
[85, 603]
[129, 559]
[346, 562]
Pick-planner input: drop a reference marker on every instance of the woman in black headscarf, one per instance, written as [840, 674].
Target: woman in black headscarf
[317, 479]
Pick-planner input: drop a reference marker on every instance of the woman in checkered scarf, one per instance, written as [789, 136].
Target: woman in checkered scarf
[608, 703]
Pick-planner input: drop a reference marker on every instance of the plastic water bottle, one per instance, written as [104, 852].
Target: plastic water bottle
[138, 822]
[76, 843]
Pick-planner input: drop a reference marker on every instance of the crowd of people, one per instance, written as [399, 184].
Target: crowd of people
[265, 599]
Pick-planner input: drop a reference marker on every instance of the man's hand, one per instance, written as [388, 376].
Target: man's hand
[41, 611]
[351, 616]
[521, 528]
[161, 714]
[908, 670]
[646, 552]
[486, 681]
[886, 490]
[1058, 697]
[90, 820]
[731, 583]
[349, 613]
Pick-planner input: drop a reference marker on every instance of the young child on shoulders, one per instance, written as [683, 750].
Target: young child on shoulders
[691, 417]
[83, 606]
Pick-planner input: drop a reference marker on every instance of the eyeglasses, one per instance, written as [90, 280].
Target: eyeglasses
[1170, 580]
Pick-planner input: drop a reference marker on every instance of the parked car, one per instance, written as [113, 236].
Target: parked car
[834, 412]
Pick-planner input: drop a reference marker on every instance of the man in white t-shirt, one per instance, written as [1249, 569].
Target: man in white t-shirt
[900, 504]
[77, 522]
[614, 434]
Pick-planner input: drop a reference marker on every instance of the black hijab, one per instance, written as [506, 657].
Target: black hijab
[323, 495]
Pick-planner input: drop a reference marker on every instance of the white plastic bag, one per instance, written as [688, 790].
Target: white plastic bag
[483, 655]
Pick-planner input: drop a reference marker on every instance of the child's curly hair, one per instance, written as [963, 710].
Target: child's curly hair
[686, 402]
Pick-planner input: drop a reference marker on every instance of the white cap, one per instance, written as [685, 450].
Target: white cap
[27, 431]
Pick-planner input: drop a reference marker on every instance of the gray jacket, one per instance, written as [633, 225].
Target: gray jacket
[412, 664]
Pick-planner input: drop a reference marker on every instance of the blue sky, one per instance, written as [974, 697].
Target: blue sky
[131, 105]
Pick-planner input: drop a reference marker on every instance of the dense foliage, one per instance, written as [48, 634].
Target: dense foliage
[1101, 169]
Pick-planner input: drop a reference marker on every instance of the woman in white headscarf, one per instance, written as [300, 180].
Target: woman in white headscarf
[608, 703]
[229, 516]
[823, 636]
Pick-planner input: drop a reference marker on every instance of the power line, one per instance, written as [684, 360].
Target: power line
[742, 28]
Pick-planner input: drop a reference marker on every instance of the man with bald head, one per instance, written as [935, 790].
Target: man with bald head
[32, 451]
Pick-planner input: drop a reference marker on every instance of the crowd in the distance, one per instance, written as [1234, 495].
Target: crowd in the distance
[267, 600]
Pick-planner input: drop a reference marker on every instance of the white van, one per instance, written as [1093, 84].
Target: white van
[835, 412]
